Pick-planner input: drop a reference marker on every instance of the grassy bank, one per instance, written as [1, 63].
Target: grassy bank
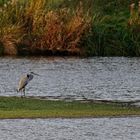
[16, 107]
[62, 27]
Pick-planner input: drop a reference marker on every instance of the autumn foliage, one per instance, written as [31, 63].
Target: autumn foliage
[37, 29]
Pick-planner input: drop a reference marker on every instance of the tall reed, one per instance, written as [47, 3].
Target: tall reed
[99, 27]
[34, 27]
[58, 30]
[11, 32]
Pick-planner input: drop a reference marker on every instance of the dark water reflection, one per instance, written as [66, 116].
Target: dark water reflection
[116, 78]
[71, 129]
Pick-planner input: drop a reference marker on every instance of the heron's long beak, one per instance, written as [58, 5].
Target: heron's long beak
[35, 74]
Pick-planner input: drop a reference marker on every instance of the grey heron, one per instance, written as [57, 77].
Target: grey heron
[24, 80]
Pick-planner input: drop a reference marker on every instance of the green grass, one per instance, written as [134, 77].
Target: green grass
[16, 107]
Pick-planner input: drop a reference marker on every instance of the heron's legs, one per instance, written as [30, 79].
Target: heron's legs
[24, 91]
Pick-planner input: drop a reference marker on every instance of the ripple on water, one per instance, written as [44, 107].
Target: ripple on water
[71, 129]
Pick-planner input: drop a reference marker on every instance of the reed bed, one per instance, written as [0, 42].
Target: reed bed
[115, 30]
[62, 27]
[32, 26]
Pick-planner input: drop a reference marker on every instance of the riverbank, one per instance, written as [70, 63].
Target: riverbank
[61, 27]
[17, 107]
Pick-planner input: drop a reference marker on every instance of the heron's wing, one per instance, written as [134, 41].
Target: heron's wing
[23, 82]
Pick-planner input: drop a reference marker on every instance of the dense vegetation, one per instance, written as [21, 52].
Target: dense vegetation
[70, 27]
[16, 107]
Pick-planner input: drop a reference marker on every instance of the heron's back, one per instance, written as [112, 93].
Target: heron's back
[23, 82]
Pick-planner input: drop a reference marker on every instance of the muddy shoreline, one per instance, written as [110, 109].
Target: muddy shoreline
[83, 99]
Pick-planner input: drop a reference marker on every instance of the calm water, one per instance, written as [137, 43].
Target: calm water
[71, 129]
[116, 78]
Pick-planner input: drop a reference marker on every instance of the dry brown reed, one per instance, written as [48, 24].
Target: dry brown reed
[134, 14]
[59, 30]
[11, 32]
[10, 37]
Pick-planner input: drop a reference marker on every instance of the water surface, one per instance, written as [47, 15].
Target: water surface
[110, 78]
[71, 129]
